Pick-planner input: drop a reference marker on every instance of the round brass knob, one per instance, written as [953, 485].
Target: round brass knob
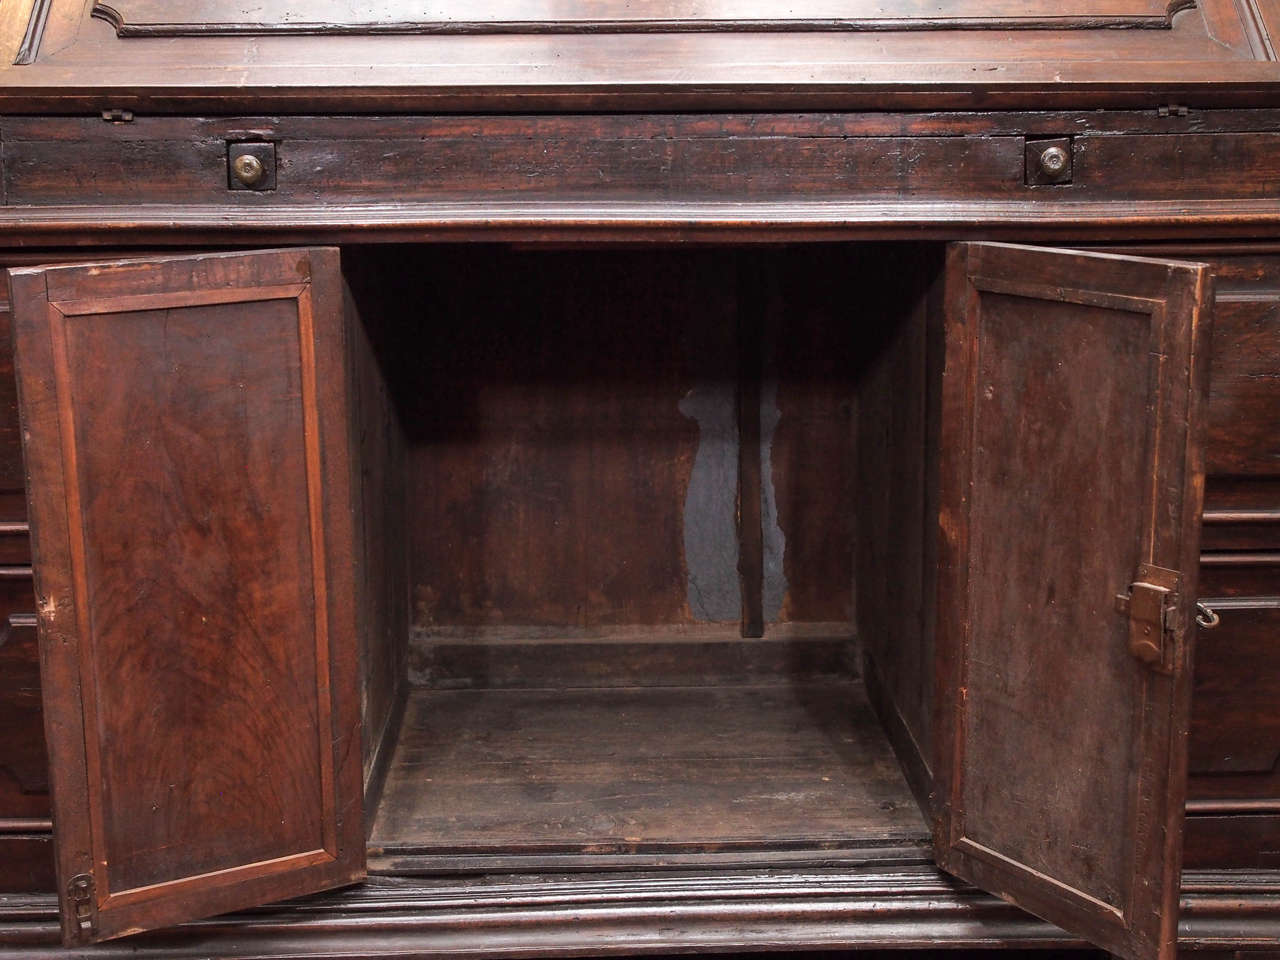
[247, 169]
[1053, 161]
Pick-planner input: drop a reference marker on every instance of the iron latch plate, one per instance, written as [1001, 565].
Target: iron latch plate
[1151, 605]
[81, 900]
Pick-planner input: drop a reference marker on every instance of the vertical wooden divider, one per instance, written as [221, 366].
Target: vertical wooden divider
[750, 481]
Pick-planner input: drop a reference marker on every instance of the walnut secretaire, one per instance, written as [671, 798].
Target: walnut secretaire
[639, 477]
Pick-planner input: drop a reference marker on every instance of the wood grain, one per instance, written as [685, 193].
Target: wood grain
[667, 769]
[192, 556]
[82, 65]
[1033, 505]
[1234, 726]
[678, 157]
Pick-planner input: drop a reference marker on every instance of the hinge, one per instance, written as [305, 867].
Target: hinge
[117, 116]
[84, 911]
[1172, 110]
[1151, 605]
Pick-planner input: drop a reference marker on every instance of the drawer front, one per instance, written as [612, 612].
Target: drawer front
[1235, 720]
[316, 162]
[1215, 842]
[1241, 514]
[1240, 573]
[1244, 386]
[24, 776]
[1234, 763]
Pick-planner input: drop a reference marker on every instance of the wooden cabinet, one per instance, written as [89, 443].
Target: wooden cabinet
[639, 477]
[203, 734]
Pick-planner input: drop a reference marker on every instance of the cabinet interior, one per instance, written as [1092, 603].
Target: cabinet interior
[562, 587]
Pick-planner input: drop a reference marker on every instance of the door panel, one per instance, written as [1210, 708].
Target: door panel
[1071, 415]
[190, 508]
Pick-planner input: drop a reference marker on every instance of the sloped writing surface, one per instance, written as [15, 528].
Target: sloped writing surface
[209, 17]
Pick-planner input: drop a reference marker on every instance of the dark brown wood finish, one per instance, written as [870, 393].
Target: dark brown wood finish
[24, 764]
[1233, 787]
[747, 53]
[1235, 731]
[680, 772]
[881, 911]
[1049, 352]
[528, 463]
[620, 158]
[380, 514]
[199, 655]
[896, 489]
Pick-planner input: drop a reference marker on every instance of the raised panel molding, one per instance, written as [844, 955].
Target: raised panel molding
[193, 18]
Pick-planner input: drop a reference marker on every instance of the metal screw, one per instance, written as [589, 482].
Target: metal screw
[248, 169]
[1053, 161]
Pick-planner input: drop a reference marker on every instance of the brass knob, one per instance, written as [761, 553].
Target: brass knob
[1053, 161]
[247, 169]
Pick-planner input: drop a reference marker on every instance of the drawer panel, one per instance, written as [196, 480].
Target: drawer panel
[24, 775]
[1241, 514]
[1226, 842]
[686, 158]
[26, 863]
[1240, 573]
[1235, 714]
[1244, 385]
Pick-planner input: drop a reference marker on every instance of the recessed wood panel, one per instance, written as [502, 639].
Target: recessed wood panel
[1235, 717]
[1071, 399]
[1244, 391]
[186, 438]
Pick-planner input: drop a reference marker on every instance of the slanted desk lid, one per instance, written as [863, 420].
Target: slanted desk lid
[650, 54]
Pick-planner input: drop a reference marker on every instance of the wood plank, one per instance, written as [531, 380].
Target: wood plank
[693, 656]
[592, 770]
[381, 482]
[750, 498]
[559, 449]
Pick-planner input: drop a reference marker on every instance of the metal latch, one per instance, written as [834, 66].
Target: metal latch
[83, 910]
[1151, 603]
[117, 116]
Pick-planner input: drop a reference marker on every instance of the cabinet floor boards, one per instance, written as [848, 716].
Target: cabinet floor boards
[658, 770]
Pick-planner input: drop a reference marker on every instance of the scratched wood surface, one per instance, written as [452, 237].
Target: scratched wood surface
[573, 449]
[696, 768]
[1032, 506]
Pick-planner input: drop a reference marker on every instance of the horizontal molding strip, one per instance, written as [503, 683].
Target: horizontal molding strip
[619, 914]
[551, 220]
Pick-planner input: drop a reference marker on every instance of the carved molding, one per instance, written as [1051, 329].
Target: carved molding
[611, 913]
[118, 17]
[35, 32]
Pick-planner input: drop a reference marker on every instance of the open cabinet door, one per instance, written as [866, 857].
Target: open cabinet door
[1071, 488]
[190, 505]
